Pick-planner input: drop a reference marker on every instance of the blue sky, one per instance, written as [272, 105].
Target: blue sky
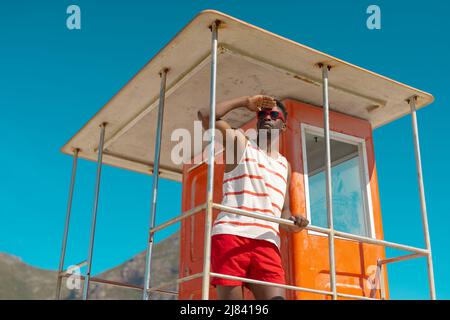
[54, 80]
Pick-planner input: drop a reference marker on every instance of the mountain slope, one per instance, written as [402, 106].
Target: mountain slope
[21, 281]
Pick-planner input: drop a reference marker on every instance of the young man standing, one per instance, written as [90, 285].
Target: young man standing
[257, 180]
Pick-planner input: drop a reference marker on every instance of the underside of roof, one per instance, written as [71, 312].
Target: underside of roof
[250, 61]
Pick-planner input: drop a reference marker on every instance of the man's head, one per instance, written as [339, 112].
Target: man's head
[274, 118]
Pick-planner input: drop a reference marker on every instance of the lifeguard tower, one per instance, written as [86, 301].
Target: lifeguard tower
[333, 108]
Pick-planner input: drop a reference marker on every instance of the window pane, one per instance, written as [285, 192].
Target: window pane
[348, 208]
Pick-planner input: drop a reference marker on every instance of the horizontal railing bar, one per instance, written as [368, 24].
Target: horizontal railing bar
[82, 264]
[194, 276]
[127, 285]
[319, 229]
[131, 286]
[253, 214]
[169, 292]
[110, 282]
[220, 275]
[344, 295]
[177, 281]
[284, 286]
[117, 283]
[402, 258]
[79, 265]
[380, 242]
[184, 215]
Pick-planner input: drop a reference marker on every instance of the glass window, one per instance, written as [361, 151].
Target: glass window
[348, 188]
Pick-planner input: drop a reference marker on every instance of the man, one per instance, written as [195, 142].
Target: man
[257, 180]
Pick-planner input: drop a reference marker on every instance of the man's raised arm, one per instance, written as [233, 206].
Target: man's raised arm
[253, 103]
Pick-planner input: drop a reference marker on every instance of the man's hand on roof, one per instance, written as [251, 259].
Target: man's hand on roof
[259, 102]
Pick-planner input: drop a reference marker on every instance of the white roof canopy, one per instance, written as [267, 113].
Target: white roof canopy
[250, 61]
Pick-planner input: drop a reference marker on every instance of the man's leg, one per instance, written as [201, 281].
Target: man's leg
[266, 265]
[263, 292]
[229, 292]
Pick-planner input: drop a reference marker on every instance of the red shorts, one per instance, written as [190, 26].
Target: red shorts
[245, 257]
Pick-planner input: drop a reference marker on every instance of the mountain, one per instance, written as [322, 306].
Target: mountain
[19, 280]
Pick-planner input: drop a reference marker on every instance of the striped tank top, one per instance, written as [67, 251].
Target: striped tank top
[258, 184]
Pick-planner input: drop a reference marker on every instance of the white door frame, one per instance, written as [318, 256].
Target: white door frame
[364, 174]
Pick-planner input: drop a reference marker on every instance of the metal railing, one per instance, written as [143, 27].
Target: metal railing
[417, 252]
[209, 205]
[198, 209]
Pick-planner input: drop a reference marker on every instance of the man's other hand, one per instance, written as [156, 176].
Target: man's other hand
[300, 223]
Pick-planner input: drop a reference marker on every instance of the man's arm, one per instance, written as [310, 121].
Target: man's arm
[300, 221]
[222, 125]
[252, 103]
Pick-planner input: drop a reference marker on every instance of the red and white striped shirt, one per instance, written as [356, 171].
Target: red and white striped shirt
[258, 184]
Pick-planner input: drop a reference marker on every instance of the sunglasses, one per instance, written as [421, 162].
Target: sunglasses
[273, 114]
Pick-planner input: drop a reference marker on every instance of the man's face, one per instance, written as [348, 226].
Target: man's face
[268, 123]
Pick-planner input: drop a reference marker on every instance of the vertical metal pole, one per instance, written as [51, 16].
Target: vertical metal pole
[87, 278]
[148, 260]
[329, 197]
[66, 226]
[379, 281]
[423, 205]
[210, 184]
